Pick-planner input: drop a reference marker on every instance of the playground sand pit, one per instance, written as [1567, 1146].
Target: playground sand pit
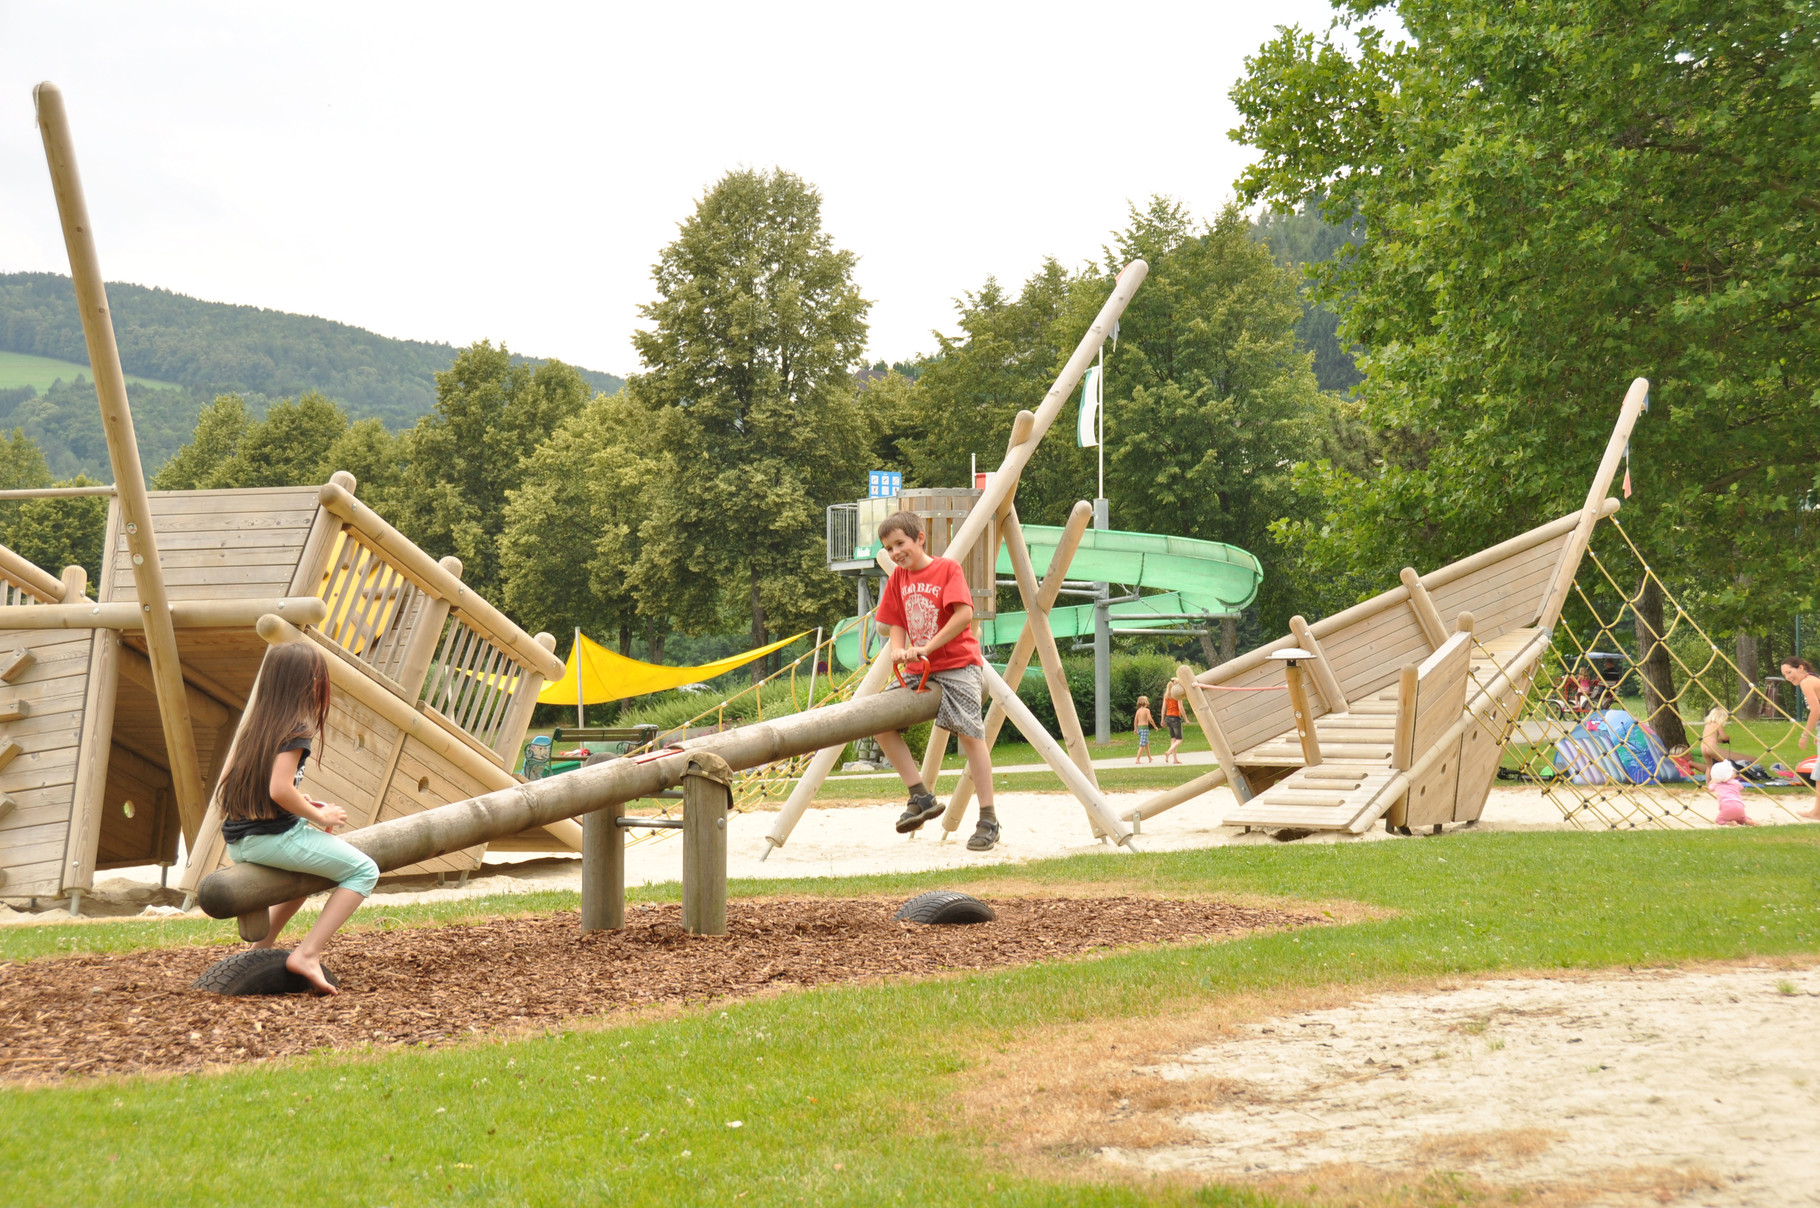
[1637, 1088]
[124, 1013]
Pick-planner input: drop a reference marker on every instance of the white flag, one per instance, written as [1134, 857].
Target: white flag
[1089, 431]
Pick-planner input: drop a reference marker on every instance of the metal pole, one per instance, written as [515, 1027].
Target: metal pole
[1102, 644]
[1099, 420]
[581, 717]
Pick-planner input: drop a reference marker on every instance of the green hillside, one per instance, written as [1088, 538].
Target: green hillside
[23, 369]
[180, 352]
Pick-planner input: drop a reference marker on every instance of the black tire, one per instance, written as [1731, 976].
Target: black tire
[945, 906]
[256, 971]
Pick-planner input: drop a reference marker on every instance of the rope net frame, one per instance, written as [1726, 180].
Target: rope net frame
[1602, 620]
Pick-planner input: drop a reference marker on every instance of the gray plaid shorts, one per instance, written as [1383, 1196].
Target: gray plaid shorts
[959, 712]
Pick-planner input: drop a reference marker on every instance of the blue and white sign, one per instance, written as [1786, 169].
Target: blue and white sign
[884, 484]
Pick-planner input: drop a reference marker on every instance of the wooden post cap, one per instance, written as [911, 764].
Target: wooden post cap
[709, 766]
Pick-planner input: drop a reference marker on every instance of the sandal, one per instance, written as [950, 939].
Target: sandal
[985, 836]
[920, 809]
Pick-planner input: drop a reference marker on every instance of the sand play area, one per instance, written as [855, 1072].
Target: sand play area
[1697, 1087]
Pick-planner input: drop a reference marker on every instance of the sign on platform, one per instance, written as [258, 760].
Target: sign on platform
[882, 484]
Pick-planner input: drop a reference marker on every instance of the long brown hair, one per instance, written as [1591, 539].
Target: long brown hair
[291, 700]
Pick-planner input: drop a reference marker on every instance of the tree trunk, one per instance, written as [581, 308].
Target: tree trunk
[758, 625]
[655, 633]
[1229, 639]
[1655, 667]
[1209, 655]
[1748, 677]
[625, 638]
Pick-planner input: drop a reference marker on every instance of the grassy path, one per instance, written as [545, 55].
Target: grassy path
[841, 1095]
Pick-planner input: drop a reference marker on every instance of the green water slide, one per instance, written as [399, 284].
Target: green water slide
[1184, 576]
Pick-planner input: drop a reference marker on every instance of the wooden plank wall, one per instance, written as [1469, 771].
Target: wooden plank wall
[1504, 596]
[221, 545]
[34, 837]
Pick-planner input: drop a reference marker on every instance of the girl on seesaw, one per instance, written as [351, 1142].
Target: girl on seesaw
[267, 820]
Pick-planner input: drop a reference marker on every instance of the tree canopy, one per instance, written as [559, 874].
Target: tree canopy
[756, 332]
[1558, 197]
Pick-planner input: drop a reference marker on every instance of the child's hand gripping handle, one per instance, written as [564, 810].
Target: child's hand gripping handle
[922, 673]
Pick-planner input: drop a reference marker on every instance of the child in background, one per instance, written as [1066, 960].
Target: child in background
[1141, 721]
[1172, 717]
[1722, 782]
[267, 820]
[929, 610]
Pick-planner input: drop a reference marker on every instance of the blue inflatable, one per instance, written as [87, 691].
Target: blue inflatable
[1612, 747]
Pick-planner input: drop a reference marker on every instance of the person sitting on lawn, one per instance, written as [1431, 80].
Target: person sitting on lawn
[929, 610]
[1141, 722]
[1714, 733]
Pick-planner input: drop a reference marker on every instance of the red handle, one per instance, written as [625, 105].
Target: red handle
[922, 679]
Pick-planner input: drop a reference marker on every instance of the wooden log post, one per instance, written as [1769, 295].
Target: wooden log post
[426, 635]
[1324, 676]
[1423, 605]
[75, 585]
[1215, 735]
[1084, 790]
[1298, 705]
[1635, 400]
[29, 575]
[603, 871]
[1021, 426]
[313, 563]
[1036, 622]
[1000, 487]
[123, 454]
[518, 714]
[707, 802]
[1021, 653]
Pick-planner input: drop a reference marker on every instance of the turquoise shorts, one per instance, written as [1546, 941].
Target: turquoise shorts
[303, 848]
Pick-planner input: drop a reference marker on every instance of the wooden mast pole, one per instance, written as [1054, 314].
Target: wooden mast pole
[1635, 399]
[123, 454]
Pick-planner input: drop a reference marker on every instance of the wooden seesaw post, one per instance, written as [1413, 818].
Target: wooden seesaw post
[707, 802]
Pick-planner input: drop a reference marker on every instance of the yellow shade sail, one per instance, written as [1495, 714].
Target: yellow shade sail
[604, 675]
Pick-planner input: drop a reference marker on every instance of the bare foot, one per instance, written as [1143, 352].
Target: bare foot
[310, 969]
[1808, 814]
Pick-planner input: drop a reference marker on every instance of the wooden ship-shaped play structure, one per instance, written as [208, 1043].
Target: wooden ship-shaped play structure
[117, 712]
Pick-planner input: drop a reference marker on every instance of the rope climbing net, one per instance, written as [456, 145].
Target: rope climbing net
[1612, 724]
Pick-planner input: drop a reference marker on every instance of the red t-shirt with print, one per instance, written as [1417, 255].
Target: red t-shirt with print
[922, 601]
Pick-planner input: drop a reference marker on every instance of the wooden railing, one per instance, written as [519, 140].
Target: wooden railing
[23, 583]
[417, 629]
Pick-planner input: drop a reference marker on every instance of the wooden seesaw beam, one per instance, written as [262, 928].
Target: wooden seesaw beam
[245, 888]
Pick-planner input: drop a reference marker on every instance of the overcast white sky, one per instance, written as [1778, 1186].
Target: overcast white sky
[454, 171]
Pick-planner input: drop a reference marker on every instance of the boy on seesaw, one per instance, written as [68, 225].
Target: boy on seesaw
[929, 611]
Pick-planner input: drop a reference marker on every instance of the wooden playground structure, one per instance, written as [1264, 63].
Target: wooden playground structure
[120, 711]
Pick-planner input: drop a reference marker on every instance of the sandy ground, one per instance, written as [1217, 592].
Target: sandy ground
[1696, 1088]
[842, 841]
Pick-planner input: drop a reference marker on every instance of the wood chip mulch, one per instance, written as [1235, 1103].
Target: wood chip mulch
[123, 1013]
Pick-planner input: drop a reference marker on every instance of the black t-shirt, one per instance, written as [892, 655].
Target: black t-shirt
[235, 829]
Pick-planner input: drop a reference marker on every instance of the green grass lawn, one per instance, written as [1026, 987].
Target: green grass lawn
[22, 369]
[843, 1094]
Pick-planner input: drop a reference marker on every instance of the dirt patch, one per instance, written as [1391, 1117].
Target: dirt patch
[121, 1013]
[1636, 1088]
